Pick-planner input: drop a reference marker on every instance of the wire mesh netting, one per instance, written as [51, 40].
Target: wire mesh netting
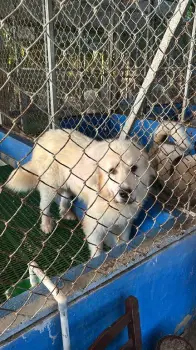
[105, 93]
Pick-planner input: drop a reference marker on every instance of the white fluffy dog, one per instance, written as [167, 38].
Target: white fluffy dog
[174, 167]
[111, 176]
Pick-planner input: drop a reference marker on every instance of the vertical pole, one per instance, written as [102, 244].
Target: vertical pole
[1, 82]
[80, 59]
[51, 61]
[155, 65]
[110, 57]
[188, 72]
[148, 50]
[46, 60]
[119, 64]
[21, 105]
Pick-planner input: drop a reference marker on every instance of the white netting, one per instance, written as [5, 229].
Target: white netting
[93, 67]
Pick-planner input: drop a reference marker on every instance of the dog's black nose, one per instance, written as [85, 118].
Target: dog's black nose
[125, 194]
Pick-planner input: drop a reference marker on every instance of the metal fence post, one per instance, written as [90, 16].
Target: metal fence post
[189, 68]
[51, 61]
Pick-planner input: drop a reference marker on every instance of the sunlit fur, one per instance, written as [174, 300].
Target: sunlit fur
[176, 169]
[65, 162]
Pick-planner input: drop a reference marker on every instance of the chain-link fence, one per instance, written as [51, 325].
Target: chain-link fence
[93, 68]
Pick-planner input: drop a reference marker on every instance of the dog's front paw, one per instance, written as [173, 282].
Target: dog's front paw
[47, 224]
[70, 216]
[67, 215]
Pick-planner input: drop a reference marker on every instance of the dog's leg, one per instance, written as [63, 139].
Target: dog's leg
[110, 240]
[120, 235]
[64, 205]
[94, 233]
[47, 195]
[124, 237]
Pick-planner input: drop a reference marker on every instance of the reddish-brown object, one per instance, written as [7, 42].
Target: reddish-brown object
[130, 320]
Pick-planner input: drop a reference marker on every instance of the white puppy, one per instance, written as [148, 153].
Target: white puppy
[112, 177]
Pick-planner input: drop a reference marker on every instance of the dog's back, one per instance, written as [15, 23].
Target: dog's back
[64, 146]
[54, 154]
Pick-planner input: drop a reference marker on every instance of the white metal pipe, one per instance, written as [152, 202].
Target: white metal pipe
[46, 59]
[34, 280]
[153, 69]
[60, 299]
[189, 71]
[51, 59]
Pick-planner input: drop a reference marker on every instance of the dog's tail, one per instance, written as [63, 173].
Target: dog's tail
[174, 129]
[22, 179]
[166, 129]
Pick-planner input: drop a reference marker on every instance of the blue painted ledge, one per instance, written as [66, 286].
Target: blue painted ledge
[164, 285]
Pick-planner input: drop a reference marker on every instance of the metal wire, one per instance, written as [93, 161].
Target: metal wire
[79, 65]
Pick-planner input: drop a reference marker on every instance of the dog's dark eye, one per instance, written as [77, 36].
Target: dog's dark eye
[134, 168]
[113, 171]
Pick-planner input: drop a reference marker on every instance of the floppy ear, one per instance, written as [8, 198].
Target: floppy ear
[99, 182]
[102, 185]
[93, 180]
[96, 181]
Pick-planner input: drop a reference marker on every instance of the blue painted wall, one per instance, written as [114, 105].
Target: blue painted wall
[164, 285]
[18, 148]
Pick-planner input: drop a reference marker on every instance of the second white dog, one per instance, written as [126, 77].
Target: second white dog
[175, 168]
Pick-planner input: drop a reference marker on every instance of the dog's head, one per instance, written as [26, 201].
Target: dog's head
[125, 173]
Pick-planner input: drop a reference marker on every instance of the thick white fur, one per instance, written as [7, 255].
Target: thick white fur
[66, 162]
[174, 168]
